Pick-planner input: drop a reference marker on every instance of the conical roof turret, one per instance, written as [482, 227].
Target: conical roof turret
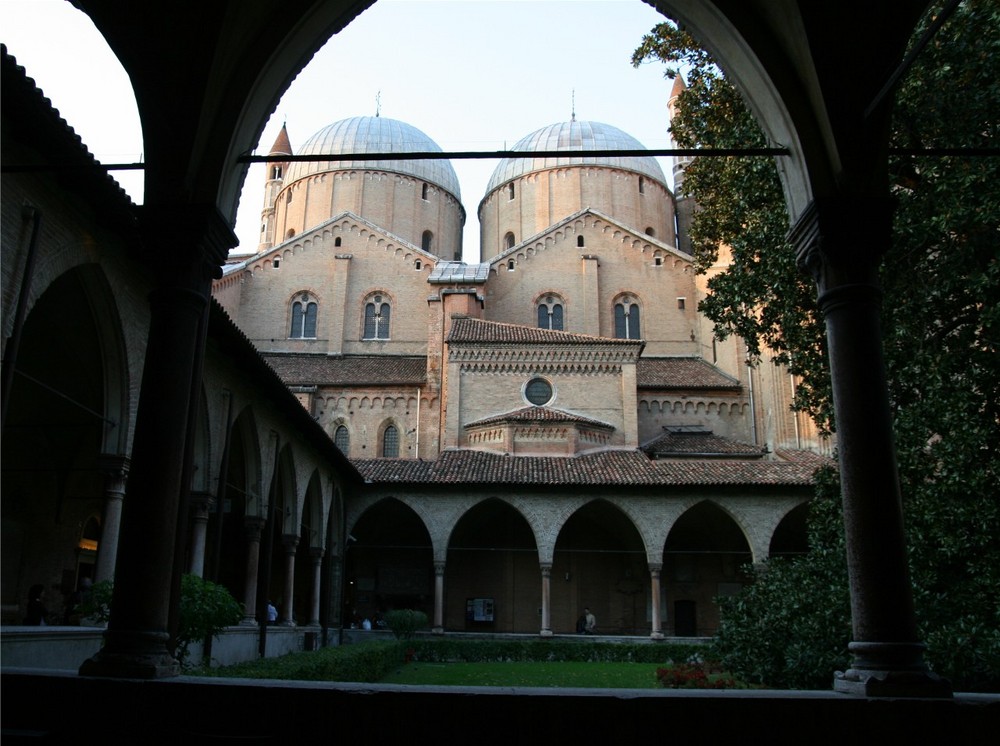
[282, 145]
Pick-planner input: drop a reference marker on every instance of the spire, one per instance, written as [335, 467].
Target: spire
[678, 86]
[573, 114]
[282, 145]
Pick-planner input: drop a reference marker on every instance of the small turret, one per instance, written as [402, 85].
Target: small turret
[274, 179]
[684, 205]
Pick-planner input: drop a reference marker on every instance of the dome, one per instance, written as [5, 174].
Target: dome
[375, 135]
[576, 135]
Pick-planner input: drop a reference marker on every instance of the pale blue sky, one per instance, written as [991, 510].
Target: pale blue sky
[472, 74]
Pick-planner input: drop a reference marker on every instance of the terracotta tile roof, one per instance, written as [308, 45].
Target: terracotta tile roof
[495, 332]
[303, 369]
[688, 442]
[611, 468]
[681, 373]
[732, 472]
[539, 414]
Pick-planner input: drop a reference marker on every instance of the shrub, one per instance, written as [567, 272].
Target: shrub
[405, 622]
[366, 663]
[693, 676]
[205, 610]
[96, 605]
[499, 651]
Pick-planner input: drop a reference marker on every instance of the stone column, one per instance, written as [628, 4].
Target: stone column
[316, 556]
[290, 542]
[253, 527]
[654, 594]
[115, 470]
[197, 239]
[840, 241]
[546, 599]
[201, 504]
[335, 593]
[438, 627]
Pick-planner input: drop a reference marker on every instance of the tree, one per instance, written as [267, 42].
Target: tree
[941, 321]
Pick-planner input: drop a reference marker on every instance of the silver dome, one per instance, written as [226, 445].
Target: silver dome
[375, 135]
[575, 135]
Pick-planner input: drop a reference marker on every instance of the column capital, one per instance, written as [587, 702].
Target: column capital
[203, 234]
[546, 568]
[113, 464]
[840, 240]
[290, 542]
[252, 526]
[202, 502]
[439, 568]
[317, 553]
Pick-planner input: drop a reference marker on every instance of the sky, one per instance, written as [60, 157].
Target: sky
[471, 74]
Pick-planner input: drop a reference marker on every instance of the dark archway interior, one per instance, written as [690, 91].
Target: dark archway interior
[52, 485]
[600, 563]
[492, 555]
[389, 564]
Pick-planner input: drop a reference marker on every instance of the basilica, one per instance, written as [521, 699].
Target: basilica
[550, 428]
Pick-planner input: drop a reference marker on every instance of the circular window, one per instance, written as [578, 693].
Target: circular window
[538, 391]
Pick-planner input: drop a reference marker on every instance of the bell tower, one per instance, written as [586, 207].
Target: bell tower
[274, 180]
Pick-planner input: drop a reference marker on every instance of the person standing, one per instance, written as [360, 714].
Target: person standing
[589, 622]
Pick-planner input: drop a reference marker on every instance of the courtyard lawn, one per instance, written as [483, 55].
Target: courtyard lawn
[522, 673]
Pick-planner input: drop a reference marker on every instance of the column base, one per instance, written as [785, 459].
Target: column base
[133, 655]
[248, 621]
[890, 669]
[437, 630]
[656, 636]
[545, 633]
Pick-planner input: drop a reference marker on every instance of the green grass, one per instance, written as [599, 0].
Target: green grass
[520, 673]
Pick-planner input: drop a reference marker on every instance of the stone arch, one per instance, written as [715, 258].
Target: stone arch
[790, 536]
[280, 536]
[68, 410]
[311, 537]
[226, 552]
[492, 554]
[599, 561]
[702, 559]
[388, 563]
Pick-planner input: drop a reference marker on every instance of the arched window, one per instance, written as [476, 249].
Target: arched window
[650, 232]
[510, 190]
[390, 442]
[417, 264]
[342, 439]
[579, 241]
[337, 241]
[423, 191]
[550, 313]
[304, 313]
[510, 265]
[275, 172]
[291, 233]
[627, 324]
[377, 313]
[426, 240]
[508, 240]
[642, 185]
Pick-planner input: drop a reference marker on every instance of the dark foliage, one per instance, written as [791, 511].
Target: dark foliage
[941, 316]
